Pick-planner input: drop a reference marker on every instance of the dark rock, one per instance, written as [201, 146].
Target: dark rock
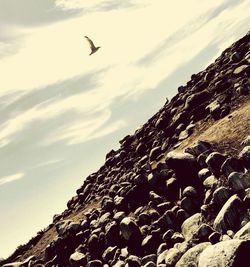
[150, 244]
[231, 253]
[148, 258]
[214, 162]
[133, 261]
[232, 165]
[95, 263]
[131, 232]
[239, 181]
[172, 189]
[154, 153]
[177, 238]
[245, 156]
[112, 233]
[198, 148]
[220, 196]
[214, 237]
[185, 167]
[109, 253]
[203, 174]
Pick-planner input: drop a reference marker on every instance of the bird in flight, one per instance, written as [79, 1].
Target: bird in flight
[92, 46]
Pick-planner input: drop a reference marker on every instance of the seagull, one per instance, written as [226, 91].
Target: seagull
[92, 46]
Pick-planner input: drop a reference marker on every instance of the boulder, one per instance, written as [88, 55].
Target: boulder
[245, 156]
[191, 225]
[230, 253]
[243, 233]
[239, 181]
[214, 162]
[77, 259]
[230, 215]
[185, 167]
[191, 257]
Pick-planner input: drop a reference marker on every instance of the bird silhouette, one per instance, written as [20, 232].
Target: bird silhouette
[92, 46]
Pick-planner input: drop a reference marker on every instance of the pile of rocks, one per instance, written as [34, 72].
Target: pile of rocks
[165, 208]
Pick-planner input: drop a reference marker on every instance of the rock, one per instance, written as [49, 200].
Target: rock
[112, 234]
[214, 237]
[196, 99]
[150, 244]
[203, 174]
[230, 253]
[241, 69]
[230, 215]
[77, 259]
[131, 232]
[150, 264]
[177, 238]
[231, 165]
[245, 156]
[190, 205]
[198, 148]
[210, 182]
[191, 257]
[214, 162]
[109, 253]
[24, 263]
[154, 153]
[243, 233]
[185, 167]
[172, 189]
[148, 258]
[220, 196]
[239, 181]
[189, 191]
[191, 225]
[172, 257]
[133, 261]
[95, 263]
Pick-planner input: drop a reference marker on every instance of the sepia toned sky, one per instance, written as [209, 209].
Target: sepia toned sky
[62, 110]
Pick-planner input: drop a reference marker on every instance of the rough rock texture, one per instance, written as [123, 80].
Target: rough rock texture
[176, 192]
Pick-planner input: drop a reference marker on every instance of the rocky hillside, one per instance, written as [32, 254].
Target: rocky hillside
[176, 193]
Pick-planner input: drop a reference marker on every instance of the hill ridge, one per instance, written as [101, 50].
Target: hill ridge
[179, 185]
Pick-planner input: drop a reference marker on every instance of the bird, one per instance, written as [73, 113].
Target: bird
[92, 46]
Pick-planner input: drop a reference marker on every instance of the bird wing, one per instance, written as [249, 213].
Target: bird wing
[91, 44]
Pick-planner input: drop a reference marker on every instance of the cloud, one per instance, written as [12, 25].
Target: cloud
[29, 12]
[11, 178]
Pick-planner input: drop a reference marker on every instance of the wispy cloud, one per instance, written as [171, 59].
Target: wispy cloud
[11, 178]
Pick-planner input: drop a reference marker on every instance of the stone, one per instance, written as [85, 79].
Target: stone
[77, 259]
[172, 257]
[150, 244]
[133, 261]
[243, 233]
[148, 258]
[189, 191]
[191, 257]
[220, 196]
[190, 205]
[109, 253]
[241, 69]
[210, 182]
[245, 156]
[230, 253]
[239, 181]
[172, 189]
[177, 237]
[214, 162]
[214, 237]
[191, 225]
[203, 232]
[154, 153]
[231, 165]
[112, 234]
[198, 148]
[185, 167]
[95, 263]
[230, 215]
[204, 173]
[131, 232]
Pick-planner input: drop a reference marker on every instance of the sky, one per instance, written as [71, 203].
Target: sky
[62, 110]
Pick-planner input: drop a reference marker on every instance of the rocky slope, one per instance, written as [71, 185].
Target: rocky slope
[176, 193]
